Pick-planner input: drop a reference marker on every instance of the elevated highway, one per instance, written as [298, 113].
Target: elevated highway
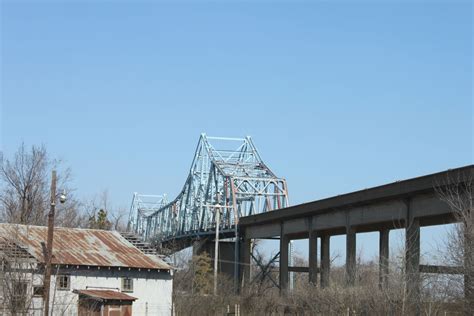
[408, 204]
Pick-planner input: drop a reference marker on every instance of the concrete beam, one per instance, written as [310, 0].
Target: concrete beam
[298, 269]
[329, 221]
[379, 212]
[263, 231]
[296, 226]
[372, 217]
[428, 205]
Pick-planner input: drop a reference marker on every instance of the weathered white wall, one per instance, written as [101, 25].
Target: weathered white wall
[152, 289]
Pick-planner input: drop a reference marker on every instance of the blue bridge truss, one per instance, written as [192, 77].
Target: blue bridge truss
[227, 175]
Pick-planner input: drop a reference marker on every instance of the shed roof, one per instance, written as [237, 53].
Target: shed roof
[84, 247]
[104, 295]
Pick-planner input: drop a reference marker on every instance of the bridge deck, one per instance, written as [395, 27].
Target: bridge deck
[367, 210]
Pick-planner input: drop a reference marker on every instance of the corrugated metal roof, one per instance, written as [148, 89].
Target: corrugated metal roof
[85, 247]
[105, 295]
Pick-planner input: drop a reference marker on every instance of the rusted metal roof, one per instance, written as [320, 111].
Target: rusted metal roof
[84, 247]
[104, 295]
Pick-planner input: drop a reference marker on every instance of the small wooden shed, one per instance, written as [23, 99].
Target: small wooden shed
[104, 303]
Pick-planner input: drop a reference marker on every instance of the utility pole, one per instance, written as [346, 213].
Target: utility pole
[49, 246]
[216, 247]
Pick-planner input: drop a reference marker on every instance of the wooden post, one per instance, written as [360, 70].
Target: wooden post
[49, 247]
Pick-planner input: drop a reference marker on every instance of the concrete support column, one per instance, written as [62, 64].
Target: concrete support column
[350, 256]
[412, 259]
[236, 262]
[325, 260]
[284, 241]
[284, 259]
[245, 249]
[313, 257]
[383, 258]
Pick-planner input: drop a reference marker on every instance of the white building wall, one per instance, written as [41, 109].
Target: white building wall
[153, 293]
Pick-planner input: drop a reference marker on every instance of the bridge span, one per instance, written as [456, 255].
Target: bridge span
[408, 204]
[226, 175]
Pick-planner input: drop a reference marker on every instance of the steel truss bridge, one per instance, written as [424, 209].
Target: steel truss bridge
[226, 175]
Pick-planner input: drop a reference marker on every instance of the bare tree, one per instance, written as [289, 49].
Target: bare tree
[458, 193]
[24, 193]
[101, 215]
[119, 219]
[70, 214]
[24, 196]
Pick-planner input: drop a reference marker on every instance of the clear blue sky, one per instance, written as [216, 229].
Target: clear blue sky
[337, 97]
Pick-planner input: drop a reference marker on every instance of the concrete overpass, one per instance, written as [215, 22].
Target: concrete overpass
[408, 204]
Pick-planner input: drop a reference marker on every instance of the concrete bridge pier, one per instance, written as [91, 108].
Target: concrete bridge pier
[313, 257]
[227, 254]
[312, 269]
[245, 249]
[412, 259]
[412, 249]
[350, 256]
[284, 259]
[384, 240]
[325, 260]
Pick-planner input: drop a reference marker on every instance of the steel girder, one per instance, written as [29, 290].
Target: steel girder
[226, 174]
